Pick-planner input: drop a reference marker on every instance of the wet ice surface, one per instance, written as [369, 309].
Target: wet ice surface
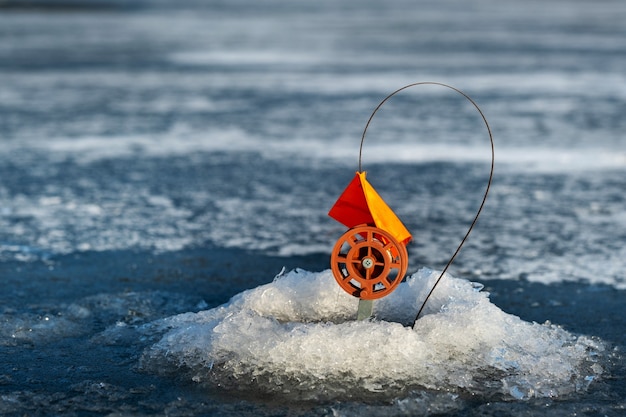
[121, 327]
[148, 175]
[288, 346]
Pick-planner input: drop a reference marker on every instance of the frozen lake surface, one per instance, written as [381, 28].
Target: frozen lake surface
[161, 164]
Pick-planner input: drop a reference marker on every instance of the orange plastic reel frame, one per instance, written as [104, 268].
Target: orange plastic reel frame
[368, 262]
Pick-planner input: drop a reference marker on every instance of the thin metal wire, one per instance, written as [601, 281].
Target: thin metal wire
[482, 204]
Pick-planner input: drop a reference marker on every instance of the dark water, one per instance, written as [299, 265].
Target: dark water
[160, 159]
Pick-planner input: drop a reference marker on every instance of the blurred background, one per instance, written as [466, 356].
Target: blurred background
[195, 147]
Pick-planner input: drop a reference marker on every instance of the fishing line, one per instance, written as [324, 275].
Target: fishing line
[482, 204]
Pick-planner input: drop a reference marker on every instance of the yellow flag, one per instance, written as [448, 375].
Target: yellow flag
[383, 216]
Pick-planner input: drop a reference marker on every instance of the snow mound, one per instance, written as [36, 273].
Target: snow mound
[298, 337]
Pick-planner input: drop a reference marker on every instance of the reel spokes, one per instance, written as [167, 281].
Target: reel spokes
[368, 262]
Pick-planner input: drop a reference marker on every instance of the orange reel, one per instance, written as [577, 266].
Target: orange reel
[368, 262]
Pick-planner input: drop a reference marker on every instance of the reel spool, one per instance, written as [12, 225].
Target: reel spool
[368, 262]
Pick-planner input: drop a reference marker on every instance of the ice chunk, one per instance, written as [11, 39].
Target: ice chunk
[297, 336]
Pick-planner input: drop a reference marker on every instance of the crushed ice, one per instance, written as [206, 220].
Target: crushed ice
[297, 336]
